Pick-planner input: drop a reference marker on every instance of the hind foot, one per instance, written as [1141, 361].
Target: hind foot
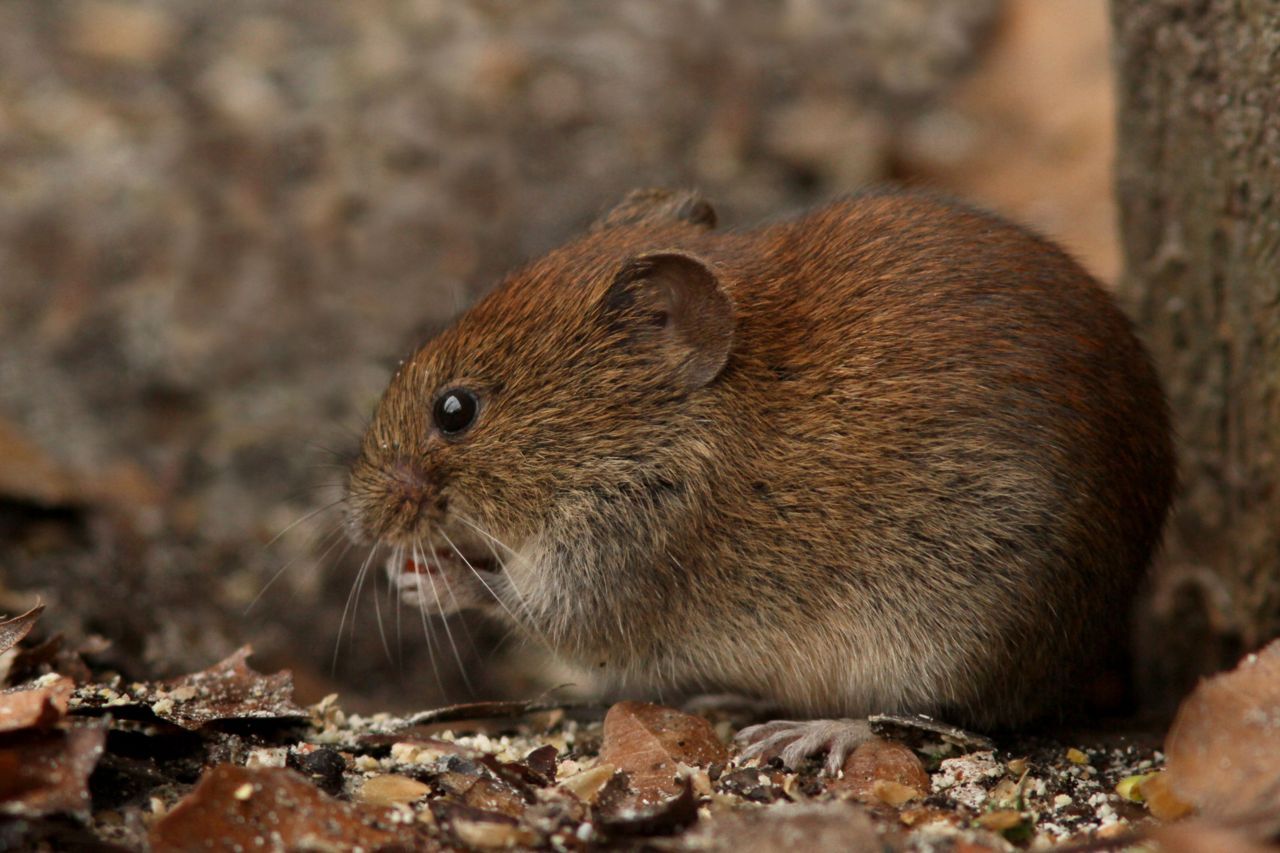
[795, 740]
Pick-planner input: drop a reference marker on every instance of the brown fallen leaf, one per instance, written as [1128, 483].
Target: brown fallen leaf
[13, 630]
[882, 771]
[43, 773]
[517, 774]
[479, 711]
[469, 783]
[237, 808]
[542, 762]
[228, 690]
[49, 656]
[1223, 750]
[35, 706]
[919, 729]
[649, 742]
[625, 814]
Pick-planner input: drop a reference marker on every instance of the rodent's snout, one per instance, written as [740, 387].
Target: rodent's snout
[390, 500]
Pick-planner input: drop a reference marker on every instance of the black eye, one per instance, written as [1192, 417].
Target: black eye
[455, 410]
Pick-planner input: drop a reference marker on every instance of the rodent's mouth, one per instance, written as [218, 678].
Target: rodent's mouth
[444, 581]
[443, 559]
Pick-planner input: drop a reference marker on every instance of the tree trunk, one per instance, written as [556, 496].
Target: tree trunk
[1198, 182]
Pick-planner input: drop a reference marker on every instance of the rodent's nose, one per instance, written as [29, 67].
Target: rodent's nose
[407, 491]
[388, 498]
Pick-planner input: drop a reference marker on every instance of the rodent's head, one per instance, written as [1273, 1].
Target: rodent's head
[573, 387]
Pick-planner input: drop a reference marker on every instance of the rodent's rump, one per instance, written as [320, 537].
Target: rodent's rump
[891, 455]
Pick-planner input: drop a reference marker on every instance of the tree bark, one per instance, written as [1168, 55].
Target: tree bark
[1198, 184]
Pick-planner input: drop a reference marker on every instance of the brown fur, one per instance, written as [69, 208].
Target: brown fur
[928, 477]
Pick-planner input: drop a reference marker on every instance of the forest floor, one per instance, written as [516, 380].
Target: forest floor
[225, 759]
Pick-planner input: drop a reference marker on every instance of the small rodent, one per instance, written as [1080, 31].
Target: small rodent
[892, 455]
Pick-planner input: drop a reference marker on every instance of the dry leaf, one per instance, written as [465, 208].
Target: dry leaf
[13, 630]
[649, 742]
[41, 706]
[542, 762]
[48, 773]
[228, 690]
[625, 814]
[881, 761]
[479, 711]
[478, 790]
[240, 807]
[1224, 746]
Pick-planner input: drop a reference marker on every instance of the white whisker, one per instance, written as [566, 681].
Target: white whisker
[521, 599]
[377, 609]
[426, 629]
[394, 603]
[453, 644]
[274, 539]
[336, 535]
[486, 534]
[485, 583]
[349, 607]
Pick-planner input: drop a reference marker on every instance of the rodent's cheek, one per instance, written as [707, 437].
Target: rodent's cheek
[363, 508]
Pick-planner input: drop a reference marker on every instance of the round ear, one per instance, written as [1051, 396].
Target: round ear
[673, 306]
[659, 205]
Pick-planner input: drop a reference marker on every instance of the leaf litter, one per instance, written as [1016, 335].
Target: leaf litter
[225, 759]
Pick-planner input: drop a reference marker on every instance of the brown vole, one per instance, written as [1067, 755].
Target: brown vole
[894, 455]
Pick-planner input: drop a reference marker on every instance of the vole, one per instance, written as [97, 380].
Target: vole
[891, 455]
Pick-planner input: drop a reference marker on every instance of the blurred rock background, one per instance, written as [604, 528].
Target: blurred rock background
[222, 221]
